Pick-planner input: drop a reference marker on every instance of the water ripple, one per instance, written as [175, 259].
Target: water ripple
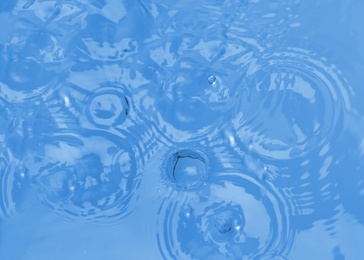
[13, 184]
[187, 100]
[86, 175]
[32, 60]
[233, 216]
[107, 105]
[350, 159]
[195, 112]
[291, 105]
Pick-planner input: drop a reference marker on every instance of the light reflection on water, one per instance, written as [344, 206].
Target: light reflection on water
[193, 130]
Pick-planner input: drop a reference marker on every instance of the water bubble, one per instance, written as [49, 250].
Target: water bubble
[108, 107]
[212, 80]
[187, 168]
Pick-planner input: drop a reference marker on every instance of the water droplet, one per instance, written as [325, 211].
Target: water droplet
[108, 108]
[187, 168]
[212, 80]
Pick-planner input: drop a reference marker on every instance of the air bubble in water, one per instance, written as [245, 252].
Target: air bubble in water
[187, 168]
[108, 108]
[212, 80]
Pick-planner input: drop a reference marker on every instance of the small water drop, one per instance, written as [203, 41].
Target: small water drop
[212, 80]
[108, 108]
[187, 168]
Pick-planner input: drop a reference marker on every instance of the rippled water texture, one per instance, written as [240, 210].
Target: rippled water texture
[181, 129]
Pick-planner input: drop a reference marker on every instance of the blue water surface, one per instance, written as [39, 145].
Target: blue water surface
[210, 129]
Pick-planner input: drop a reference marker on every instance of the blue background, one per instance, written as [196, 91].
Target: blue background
[181, 129]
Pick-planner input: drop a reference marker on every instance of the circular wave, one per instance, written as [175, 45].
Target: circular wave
[13, 181]
[28, 62]
[232, 217]
[19, 84]
[190, 165]
[192, 82]
[188, 105]
[290, 106]
[187, 168]
[108, 106]
[104, 106]
[13, 177]
[350, 153]
[89, 176]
